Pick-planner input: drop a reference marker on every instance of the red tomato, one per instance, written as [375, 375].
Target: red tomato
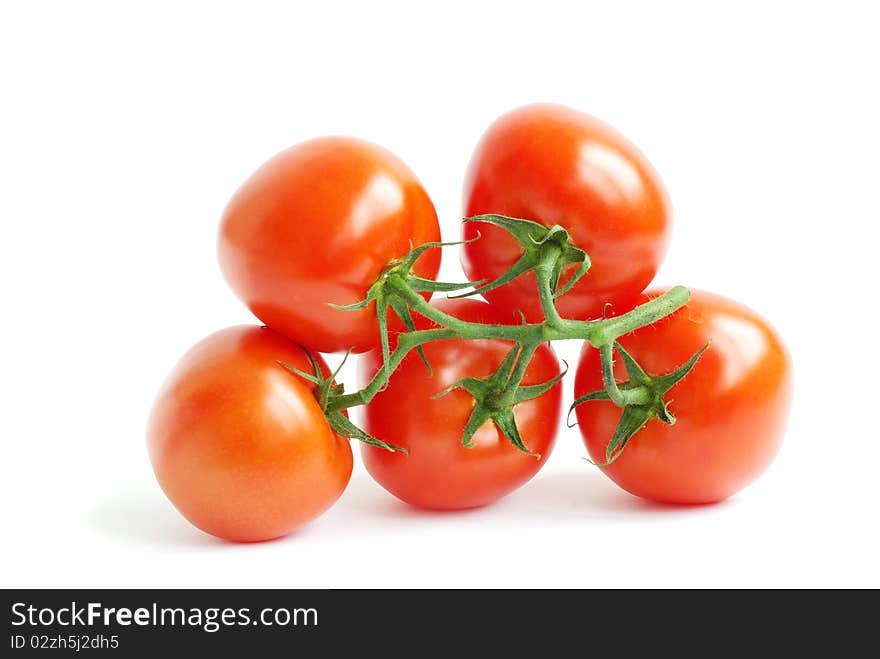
[239, 444]
[554, 165]
[731, 409]
[316, 224]
[439, 472]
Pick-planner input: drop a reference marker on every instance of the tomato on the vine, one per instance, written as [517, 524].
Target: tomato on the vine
[439, 472]
[316, 224]
[555, 165]
[730, 410]
[240, 444]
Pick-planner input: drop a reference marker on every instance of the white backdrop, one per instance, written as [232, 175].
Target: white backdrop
[124, 130]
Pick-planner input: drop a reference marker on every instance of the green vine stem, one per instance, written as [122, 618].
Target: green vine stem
[547, 253]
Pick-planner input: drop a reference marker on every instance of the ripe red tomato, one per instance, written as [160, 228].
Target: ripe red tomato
[239, 444]
[555, 165]
[439, 472]
[731, 409]
[316, 224]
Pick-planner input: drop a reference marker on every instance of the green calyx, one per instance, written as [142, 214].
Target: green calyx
[642, 397]
[549, 249]
[496, 396]
[396, 279]
[326, 391]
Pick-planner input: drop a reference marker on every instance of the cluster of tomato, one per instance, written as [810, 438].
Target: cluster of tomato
[242, 446]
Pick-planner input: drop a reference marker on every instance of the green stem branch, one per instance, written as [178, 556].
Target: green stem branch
[519, 371]
[606, 332]
[405, 343]
[544, 273]
[547, 252]
[600, 333]
[606, 353]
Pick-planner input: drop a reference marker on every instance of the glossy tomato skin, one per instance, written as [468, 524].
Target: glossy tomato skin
[239, 444]
[555, 165]
[731, 409]
[316, 224]
[439, 473]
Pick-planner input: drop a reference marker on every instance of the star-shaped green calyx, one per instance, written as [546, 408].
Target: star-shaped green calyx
[539, 243]
[325, 390]
[385, 293]
[494, 399]
[642, 397]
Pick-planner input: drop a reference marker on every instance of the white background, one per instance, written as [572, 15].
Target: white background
[125, 130]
